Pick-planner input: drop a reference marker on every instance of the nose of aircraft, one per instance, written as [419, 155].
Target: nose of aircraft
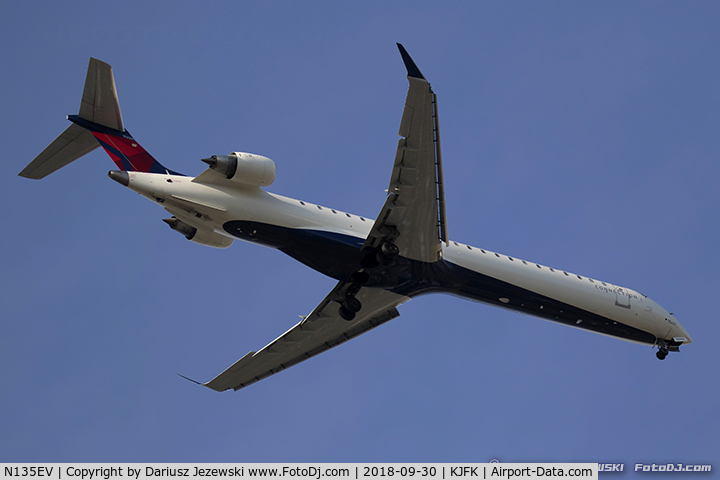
[677, 332]
[683, 333]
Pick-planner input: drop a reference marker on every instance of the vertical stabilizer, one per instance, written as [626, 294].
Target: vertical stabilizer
[100, 101]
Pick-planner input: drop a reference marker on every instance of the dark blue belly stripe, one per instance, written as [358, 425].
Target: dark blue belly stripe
[338, 256]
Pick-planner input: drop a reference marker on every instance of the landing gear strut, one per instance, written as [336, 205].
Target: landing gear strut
[378, 256]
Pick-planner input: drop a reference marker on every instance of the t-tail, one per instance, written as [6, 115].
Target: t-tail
[98, 124]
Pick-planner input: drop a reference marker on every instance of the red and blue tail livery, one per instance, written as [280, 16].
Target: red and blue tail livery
[124, 150]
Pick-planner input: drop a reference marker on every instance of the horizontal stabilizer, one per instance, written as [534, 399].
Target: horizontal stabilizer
[72, 144]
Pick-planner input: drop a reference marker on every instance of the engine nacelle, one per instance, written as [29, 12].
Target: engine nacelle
[203, 237]
[244, 168]
[211, 239]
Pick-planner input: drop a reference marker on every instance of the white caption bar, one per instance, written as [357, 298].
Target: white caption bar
[297, 471]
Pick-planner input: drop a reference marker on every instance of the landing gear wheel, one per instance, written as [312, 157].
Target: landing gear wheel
[346, 314]
[383, 259]
[660, 355]
[387, 252]
[389, 249]
[352, 304]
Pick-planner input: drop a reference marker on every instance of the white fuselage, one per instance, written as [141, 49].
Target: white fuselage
[257, 216]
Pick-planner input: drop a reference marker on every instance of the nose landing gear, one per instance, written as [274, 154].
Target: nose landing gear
[665, 346]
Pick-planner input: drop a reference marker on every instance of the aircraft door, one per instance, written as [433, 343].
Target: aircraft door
[622, 297]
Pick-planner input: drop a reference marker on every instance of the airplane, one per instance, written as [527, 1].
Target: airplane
[379, 265]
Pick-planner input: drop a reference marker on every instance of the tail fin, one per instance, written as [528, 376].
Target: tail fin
[99, 123]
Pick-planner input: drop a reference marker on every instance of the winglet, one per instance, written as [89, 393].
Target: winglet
[412, 69]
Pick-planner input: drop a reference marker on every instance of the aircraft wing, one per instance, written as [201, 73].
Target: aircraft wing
[316, 333]
[413, 216]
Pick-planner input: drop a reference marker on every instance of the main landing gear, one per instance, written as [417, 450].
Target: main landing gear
[350, 305]
[349, 308]
[387, 252]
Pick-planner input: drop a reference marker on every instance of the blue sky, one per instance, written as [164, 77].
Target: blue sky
[577, 135]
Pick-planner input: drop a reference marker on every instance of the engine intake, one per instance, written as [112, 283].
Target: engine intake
[244, 168]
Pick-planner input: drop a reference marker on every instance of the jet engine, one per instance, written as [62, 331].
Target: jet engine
[201, 236]
[244, 168]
